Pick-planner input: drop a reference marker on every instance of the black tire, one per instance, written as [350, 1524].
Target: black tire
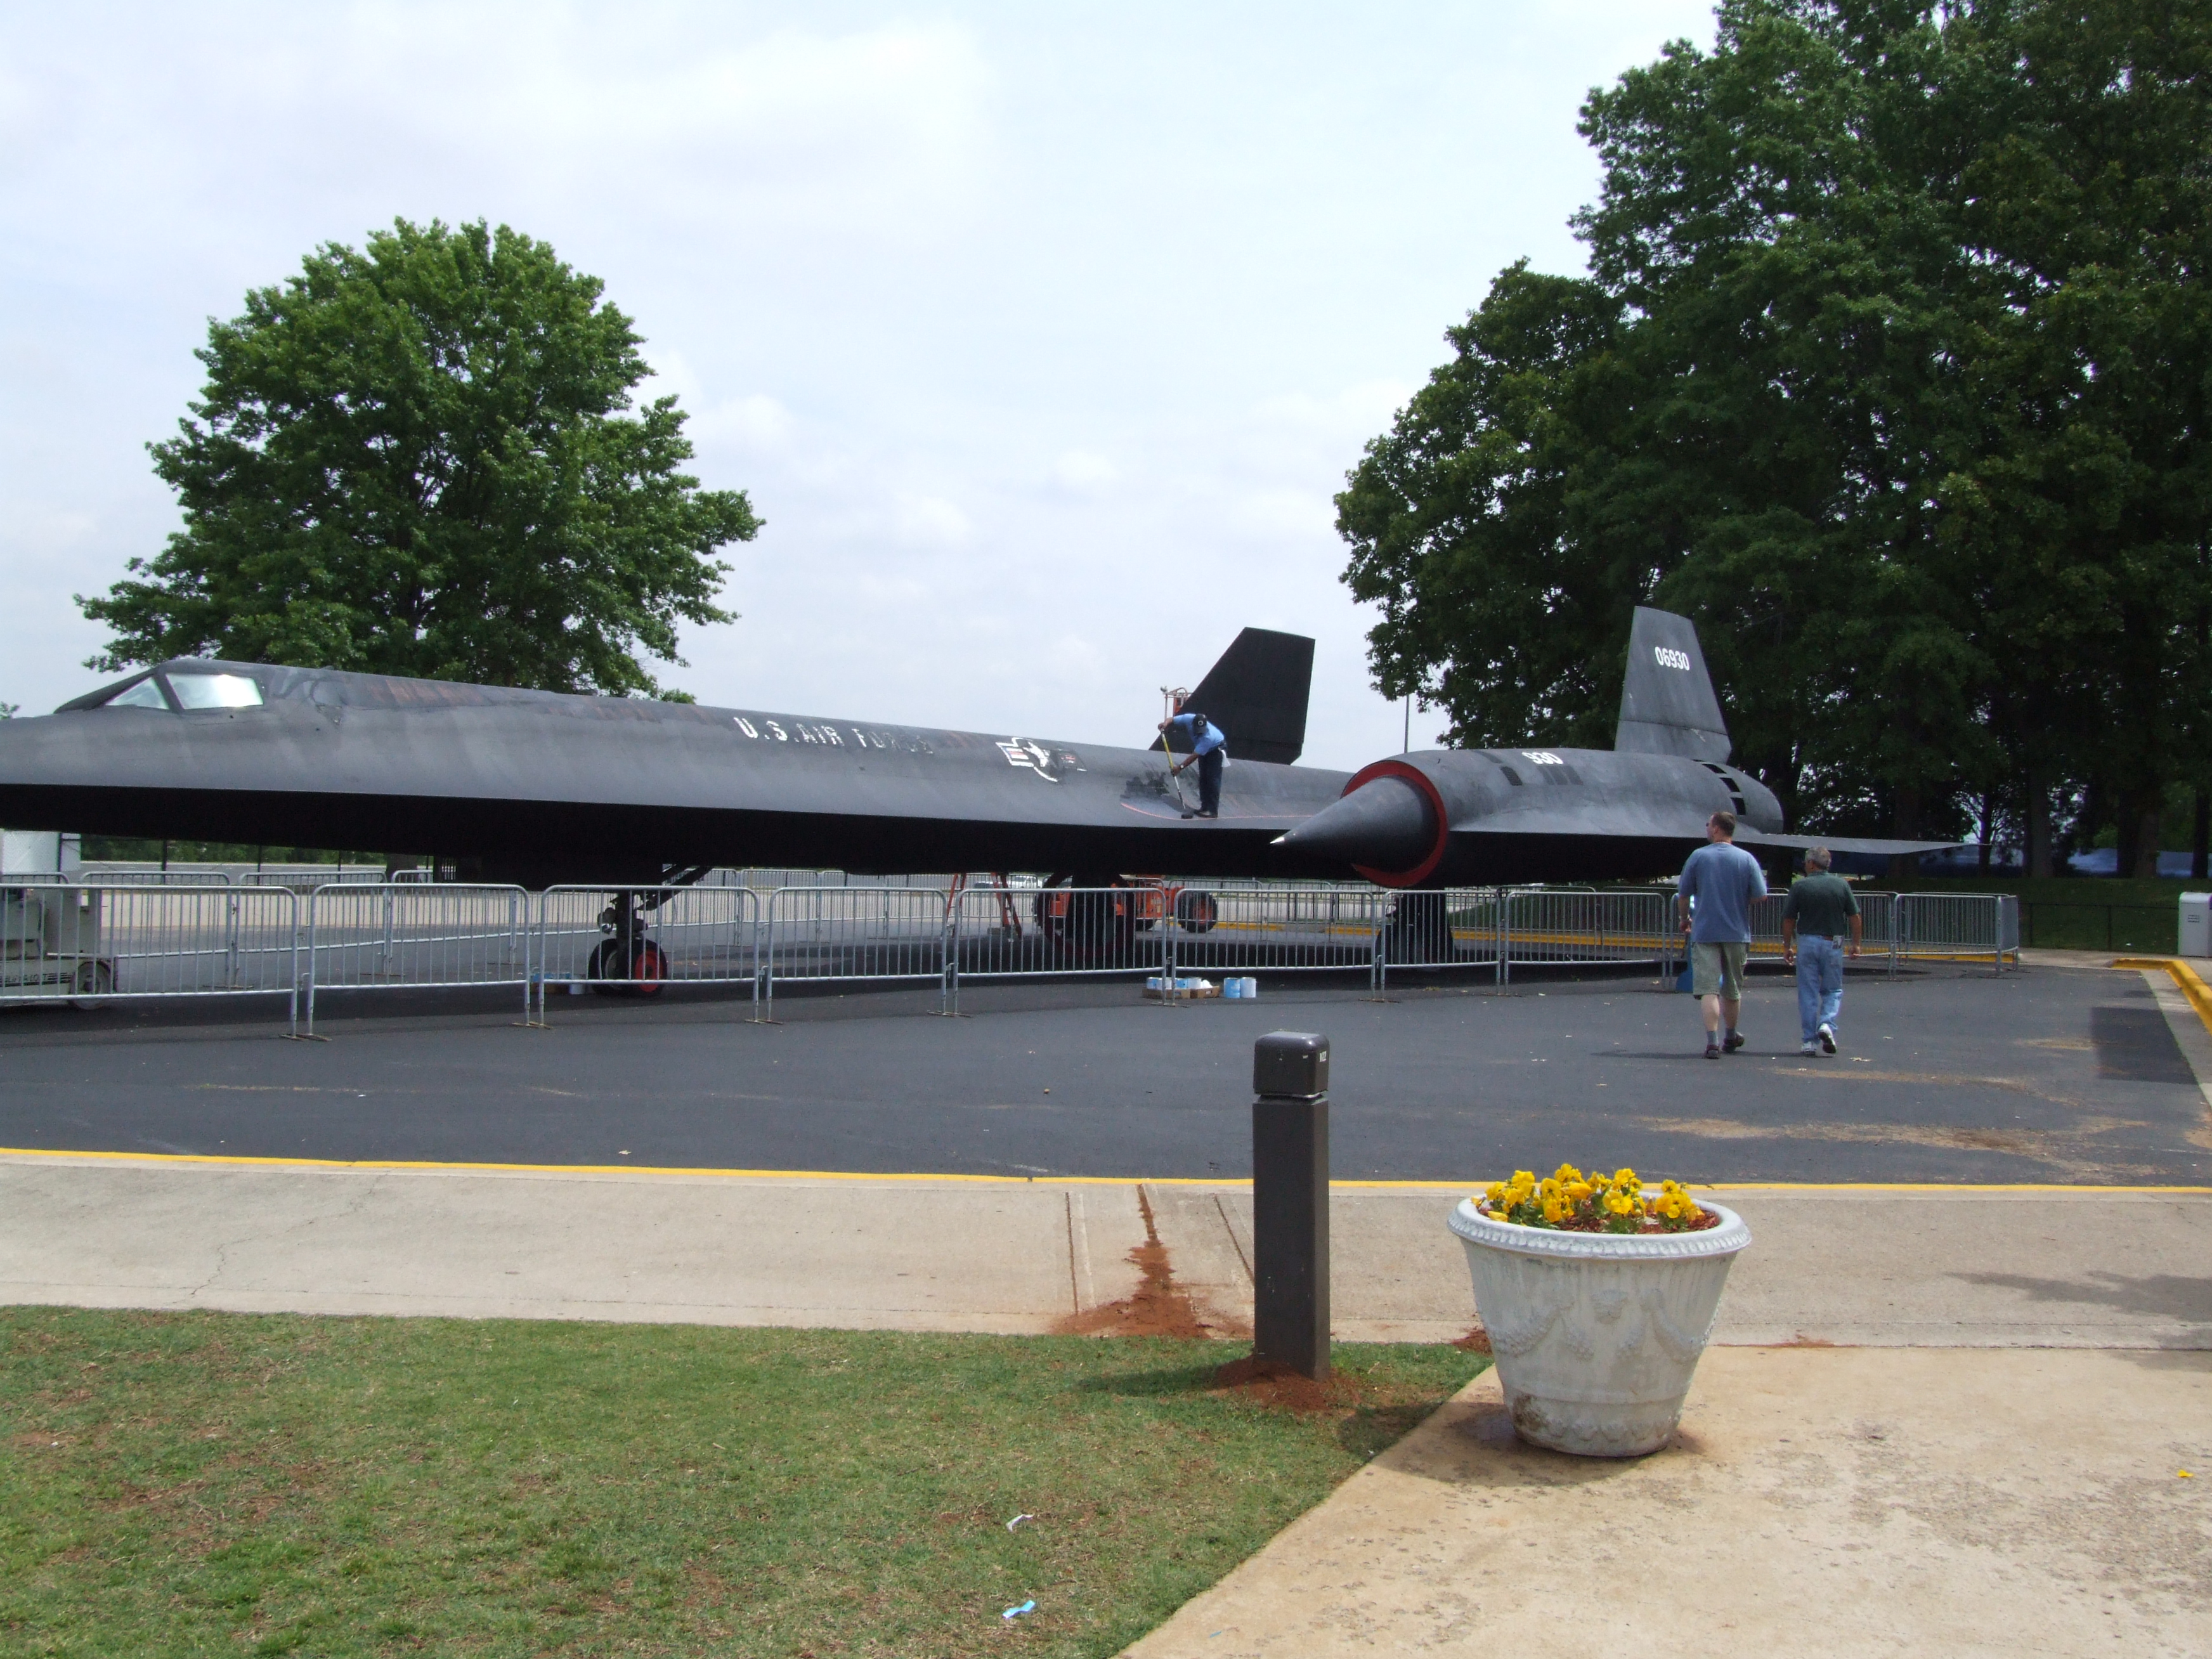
[643, 975]
[1051, 919]
[92, 980]
[606, 969]
[1101, 921]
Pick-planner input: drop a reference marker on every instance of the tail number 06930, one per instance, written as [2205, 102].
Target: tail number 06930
[1668, 657]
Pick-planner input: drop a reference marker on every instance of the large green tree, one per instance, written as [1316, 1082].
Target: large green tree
[423, 456]
[1888, 370]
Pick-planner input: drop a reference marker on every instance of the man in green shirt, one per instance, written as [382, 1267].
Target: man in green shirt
[1813, 919]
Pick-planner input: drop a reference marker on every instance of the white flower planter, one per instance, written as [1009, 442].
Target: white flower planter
[1596, 1334]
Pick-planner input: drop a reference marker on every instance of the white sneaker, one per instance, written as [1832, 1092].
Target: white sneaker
[1827, 1041]
[1808, 1047]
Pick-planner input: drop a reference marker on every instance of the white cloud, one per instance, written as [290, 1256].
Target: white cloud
[1084, 472]
[1364, 408]
[932, 521]
[758, 422]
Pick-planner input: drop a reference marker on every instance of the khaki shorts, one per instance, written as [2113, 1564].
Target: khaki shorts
[1717, 970]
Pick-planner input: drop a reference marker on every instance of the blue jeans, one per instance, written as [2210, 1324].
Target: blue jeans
[1819, 983]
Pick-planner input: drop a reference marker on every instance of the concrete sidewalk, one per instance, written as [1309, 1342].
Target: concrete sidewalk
[1818, 1501]
[2065, 1268]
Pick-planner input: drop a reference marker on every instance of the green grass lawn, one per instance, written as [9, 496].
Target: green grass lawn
[218, 1483]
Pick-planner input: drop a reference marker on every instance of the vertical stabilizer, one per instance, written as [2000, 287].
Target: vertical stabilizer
[1257, 695]
[1666, 700]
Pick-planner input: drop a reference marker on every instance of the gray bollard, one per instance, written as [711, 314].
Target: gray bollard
[1290, 1202]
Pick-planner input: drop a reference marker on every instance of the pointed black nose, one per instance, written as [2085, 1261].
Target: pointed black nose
[1386, 824]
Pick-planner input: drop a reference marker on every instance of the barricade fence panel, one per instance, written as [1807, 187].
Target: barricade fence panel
[879, 933]
[1286, 927]
[1589, 926]
[1958, 928]
[633, 941]
[766, 878]
[1000, 931]
[80, 941]
[208, 875]
[1878, 926]
[416, 936]
[304, 877]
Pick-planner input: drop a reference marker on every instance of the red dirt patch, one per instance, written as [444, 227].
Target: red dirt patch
[1477, 1341]
[1267, 1383]
[1160, 1306]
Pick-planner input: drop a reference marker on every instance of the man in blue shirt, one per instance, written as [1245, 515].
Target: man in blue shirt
[1206, 753]
[1712, 902]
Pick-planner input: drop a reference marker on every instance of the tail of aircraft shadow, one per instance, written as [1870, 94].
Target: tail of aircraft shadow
[1257, 694]
[1666, 700]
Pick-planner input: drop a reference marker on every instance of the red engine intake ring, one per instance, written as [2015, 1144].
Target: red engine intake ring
[1412, 774]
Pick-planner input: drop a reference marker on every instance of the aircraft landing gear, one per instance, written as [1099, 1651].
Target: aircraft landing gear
[1097, 919]
[626, 964]
[1420, 927]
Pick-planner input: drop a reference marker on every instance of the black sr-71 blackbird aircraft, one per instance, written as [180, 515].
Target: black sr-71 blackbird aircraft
[538, 787]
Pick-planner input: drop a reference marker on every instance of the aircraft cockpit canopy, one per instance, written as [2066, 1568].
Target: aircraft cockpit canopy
[140, 694]
[186, 689]
[209, 690]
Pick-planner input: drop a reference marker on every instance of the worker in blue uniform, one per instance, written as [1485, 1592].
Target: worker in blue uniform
[1208, 752]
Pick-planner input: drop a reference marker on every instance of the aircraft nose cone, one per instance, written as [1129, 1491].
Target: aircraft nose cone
[1386, 824]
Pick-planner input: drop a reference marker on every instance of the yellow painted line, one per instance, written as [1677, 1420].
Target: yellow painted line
[240, 1161]
[225, 1160]
[2200, 997]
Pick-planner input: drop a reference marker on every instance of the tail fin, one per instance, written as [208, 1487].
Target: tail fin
[1257, 695]
[1666, 700]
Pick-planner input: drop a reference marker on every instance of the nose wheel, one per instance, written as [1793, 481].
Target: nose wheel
[627, 964]
[634, 967]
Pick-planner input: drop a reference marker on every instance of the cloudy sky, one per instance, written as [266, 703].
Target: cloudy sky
[1041, 336]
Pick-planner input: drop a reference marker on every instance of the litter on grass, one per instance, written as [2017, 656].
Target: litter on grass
[1016, 1612]
[1017, 1521]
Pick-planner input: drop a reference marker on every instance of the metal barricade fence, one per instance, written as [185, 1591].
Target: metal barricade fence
[65, 942]
[209, 875]
[998, 933]
[85, 941]
[306, 877]
[1767, 928]
[391, 936]
[633, 940]
[1585, 926]
[1290, 928]
[816, 933]
[1959, 927]
[1878, 928]
[1433, 929]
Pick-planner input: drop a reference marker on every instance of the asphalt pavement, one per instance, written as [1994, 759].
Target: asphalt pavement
[2050, 1074]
